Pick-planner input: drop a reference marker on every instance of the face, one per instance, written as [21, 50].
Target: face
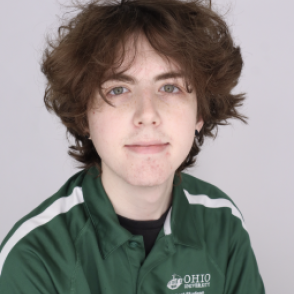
[148, 107]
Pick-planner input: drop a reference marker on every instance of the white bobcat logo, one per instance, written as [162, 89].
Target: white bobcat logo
[175, 282]
[189, 281]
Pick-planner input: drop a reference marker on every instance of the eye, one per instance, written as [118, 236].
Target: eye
[118, 91]
[171, 89]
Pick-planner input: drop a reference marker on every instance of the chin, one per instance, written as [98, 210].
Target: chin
[148, 177]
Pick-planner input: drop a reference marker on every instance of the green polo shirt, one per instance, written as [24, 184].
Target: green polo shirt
[74, 243]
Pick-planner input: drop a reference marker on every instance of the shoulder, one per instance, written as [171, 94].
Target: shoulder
[218, 221]
[58, 219]
[196, 186]
[210, 198]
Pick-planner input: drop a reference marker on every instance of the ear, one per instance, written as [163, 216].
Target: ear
[199, 124]
[87, 131]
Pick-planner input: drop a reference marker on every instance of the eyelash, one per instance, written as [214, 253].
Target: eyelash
[179, 90]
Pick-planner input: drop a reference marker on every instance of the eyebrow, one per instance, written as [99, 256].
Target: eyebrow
[132, 80]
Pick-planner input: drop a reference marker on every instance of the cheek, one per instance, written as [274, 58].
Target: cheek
[104, 129]
[185, 118]
[184, 129]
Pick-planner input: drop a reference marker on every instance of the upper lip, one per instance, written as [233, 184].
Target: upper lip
[147, 143]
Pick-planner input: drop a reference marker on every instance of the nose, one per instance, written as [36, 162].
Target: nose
[146, 108]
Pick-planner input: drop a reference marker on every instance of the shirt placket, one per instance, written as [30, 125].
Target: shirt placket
[136, 255]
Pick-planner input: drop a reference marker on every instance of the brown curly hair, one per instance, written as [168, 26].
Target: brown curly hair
[76, 63]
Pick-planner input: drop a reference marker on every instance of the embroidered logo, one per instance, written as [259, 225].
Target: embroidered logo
[189, 281]
[175, 282]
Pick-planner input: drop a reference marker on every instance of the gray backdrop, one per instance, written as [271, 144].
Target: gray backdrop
[252, 163]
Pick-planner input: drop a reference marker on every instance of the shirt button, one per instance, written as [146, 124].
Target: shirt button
[133, 244]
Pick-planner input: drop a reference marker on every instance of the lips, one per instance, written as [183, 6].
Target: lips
[147, 149]
[147, 143]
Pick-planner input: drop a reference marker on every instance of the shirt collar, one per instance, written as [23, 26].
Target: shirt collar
[180, 221]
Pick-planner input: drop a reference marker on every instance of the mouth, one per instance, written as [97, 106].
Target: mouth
[147, 149]
[148, 143]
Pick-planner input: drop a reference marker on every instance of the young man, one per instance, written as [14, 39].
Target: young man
[138, 84]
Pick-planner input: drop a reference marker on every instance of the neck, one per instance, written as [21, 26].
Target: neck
[138, 202]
